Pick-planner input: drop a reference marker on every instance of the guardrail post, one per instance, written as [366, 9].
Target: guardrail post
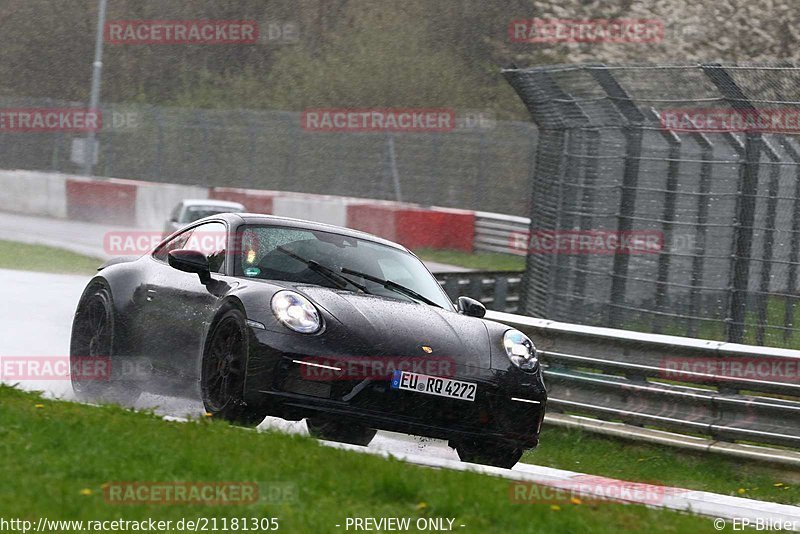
[746, 203]
[630, 176]
[501, 293]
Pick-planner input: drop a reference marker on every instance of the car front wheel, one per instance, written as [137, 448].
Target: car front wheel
[223, 371]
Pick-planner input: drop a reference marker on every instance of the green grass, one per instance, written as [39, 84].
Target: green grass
[481, 261]
[41, 258]
[773, 330]
[590, 453]
[56, 456]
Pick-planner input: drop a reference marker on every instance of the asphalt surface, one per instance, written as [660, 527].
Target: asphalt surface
[36, 318]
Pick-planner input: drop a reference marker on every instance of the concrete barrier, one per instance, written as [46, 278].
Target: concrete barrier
[147, 205]
[33, 192]
[154, 202]
[255, 201]
[415, 227]
[102, 200]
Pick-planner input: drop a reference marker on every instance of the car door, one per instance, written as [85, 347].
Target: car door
[180, 306]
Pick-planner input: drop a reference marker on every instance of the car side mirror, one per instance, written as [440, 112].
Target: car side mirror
[470, 307]
[190, 261]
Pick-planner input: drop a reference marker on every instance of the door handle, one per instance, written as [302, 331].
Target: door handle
[151, 294]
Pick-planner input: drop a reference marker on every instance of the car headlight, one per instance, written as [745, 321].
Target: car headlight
[296, 312]
[520, 350]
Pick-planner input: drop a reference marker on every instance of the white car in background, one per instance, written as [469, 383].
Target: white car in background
[190, 210]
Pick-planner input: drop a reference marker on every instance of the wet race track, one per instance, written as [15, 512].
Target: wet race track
[36, 322]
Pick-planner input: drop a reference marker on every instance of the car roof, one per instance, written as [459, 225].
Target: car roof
[211, 202]
[260, 218]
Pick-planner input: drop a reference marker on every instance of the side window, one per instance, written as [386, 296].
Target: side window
[173, 244]
[211, 240]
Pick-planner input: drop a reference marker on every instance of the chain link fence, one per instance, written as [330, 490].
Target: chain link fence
[480, 164]
[702, 158]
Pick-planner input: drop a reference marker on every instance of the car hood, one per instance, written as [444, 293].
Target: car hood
[387, 327]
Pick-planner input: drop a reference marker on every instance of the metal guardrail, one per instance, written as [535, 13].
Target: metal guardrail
[495, 232]
[616, 375]
[497, 290]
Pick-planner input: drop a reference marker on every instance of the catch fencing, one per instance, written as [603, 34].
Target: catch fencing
[480, 164]
[704, 159]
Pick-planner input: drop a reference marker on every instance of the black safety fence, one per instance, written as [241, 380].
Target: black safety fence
[665, 199]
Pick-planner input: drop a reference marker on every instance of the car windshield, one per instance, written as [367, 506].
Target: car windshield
[264, 255]
[195, 213]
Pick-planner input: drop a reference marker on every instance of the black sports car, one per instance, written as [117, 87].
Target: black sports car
[263, 315]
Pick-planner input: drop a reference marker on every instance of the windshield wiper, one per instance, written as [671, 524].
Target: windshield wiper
[340, 281]
[394, 286]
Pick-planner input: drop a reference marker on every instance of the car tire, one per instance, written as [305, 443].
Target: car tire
[354, 434]
[92, 337]
[224, 365]
[489, 453]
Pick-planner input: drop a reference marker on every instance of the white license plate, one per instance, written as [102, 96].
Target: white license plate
[434, 385]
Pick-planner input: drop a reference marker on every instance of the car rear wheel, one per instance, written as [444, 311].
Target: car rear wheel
[90, 351]
[223, 371]
[489, 453]
[340, 431]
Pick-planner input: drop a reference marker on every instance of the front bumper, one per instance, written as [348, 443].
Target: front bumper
[509, 404]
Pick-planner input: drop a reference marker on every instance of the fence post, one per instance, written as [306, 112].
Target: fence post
[159, 159]
[769, 230]
[554, 112]
[698, 258]
[662, 276]
[794, 245]
[633, 119]
[480, 189]
[746, 205]
[398, 195]
[585, 221]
